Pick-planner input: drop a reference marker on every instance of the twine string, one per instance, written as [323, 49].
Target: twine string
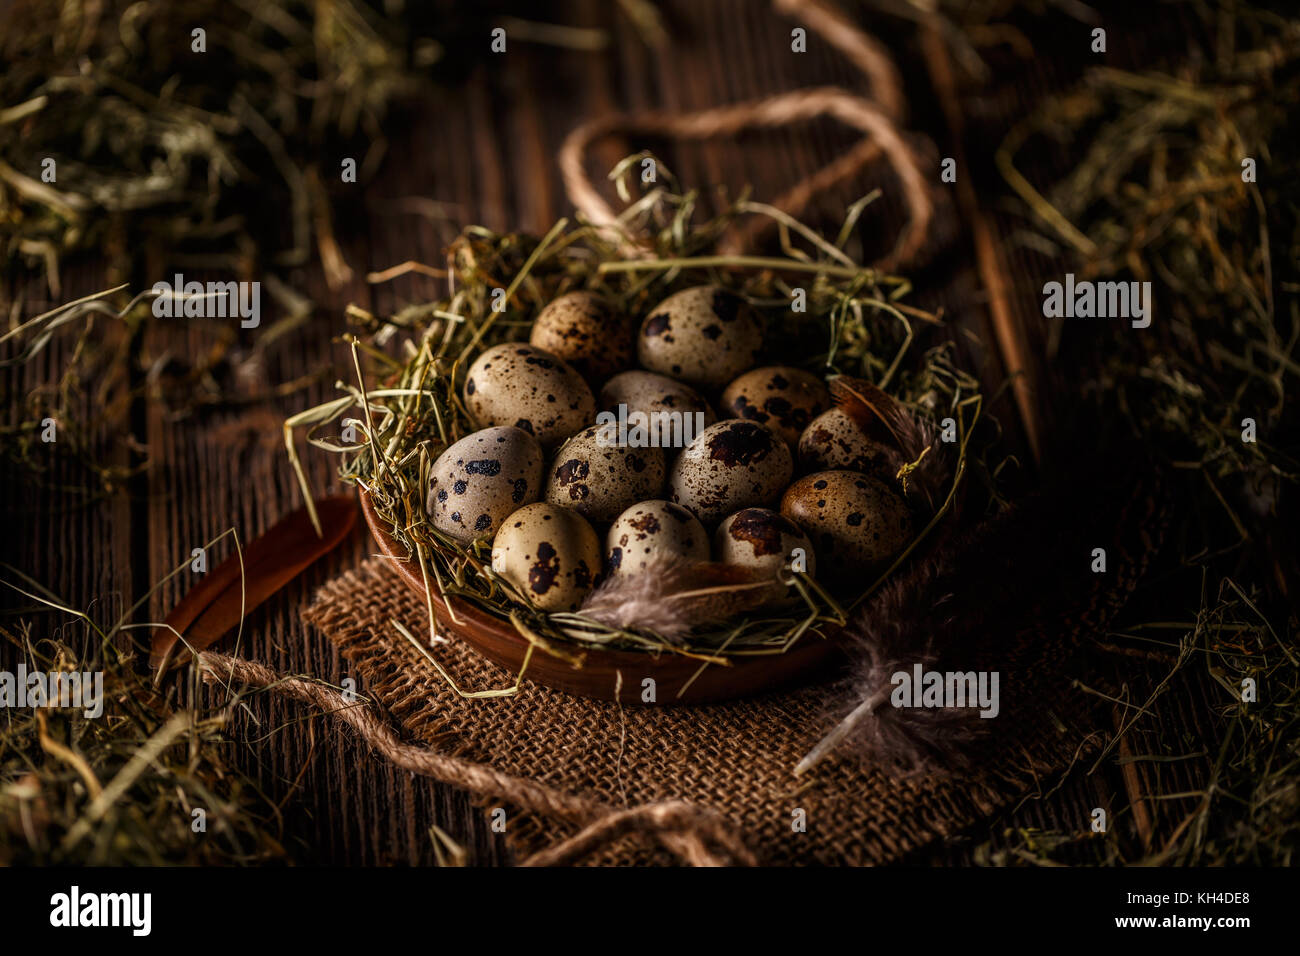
[877, 119]
[695, 835]
[867, 53]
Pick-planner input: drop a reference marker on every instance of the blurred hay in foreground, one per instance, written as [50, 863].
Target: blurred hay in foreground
[123, 788]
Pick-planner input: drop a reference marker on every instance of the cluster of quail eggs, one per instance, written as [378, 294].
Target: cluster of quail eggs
[775, 472]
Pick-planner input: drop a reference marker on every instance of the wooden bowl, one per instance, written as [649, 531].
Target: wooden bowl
[599, 674]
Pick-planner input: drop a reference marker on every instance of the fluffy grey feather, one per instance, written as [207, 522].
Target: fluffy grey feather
[672, 597]
[988, 600]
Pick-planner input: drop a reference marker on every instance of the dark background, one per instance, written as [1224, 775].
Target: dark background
[483, 147]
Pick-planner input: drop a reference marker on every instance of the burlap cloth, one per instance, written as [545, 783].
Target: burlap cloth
[735, 758]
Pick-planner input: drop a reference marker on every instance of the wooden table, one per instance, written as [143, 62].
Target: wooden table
[485, 152]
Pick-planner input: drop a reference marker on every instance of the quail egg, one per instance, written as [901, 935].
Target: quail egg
[835, 441]
[731, 465]
[654, 410]
[549, 553]
[764, 540]
[648, 392]
[597, 477]
[478, 481]
[857, 523]
[652, 530]
[584, 330]
[784, 399]
[705, 335]
[524, 386]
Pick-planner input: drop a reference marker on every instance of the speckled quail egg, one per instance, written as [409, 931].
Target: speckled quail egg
[524, 386]
[731, 465]
[478, 481]
[598, 478]
[835, 441]
[549, 553]
[762, 539]
[648, 392]
[705, 336]
[784, 399]
[585, 330]
[857, 523]
[651, 530]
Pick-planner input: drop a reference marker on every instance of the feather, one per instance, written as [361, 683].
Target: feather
[672, 597]
[1015, 595]
[913, 452]
[893, 639]
[871, 408]
[925, 476]
[226, 594]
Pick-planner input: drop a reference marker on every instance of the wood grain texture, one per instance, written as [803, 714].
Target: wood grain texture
[486, 152]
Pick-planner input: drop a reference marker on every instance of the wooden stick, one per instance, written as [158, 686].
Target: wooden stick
[1133, 785]
[1011, 337]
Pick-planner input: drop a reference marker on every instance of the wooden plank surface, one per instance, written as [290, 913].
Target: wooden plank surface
[485, 151]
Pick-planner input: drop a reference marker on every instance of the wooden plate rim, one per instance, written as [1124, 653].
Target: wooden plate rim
[599, 676]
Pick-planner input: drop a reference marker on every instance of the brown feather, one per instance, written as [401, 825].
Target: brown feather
[228, 592]
[914, 439]
[871, 408]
